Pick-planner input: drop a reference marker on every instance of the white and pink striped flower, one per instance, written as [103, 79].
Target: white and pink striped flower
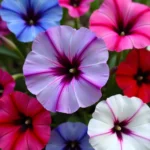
[120, 123]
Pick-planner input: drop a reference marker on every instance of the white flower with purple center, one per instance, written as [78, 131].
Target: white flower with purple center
[27, 18]
[69, 136]
[120, 123]
[67, 68]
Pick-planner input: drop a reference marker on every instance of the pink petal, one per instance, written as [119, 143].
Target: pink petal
[86, 92]
[49, 95]
[96, 53]
[100, 75]
[67, 101]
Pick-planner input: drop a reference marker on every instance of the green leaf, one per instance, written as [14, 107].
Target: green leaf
[6, 52]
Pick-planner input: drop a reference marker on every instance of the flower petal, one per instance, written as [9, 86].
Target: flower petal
[86, 92]
[123, 107]
[100, 75]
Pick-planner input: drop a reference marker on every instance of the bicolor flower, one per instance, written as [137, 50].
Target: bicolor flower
[66, 68]
[24, 123]
[7, 83]
[120, 123]
[133, 75]
[69, 136]
[76, 8]
[27, 18]
[122, 24]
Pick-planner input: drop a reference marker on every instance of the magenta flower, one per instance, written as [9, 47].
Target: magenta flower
[24, 123]
[122, 24]
[66, 68]
[7, 83]
[3, 29]
[76, 8]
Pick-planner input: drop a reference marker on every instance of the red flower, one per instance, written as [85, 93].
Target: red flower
[7, 83]
[24, 123]
[133, 75]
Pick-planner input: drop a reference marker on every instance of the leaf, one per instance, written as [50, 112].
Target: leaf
[7, 52]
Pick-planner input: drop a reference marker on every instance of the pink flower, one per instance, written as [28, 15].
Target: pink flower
[7, 83]
[120, 123]
[76, 7]
[24, 123]
[122, 24]
[67, 68]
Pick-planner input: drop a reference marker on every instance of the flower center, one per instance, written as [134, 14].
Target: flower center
[118, 128]
[72, 145]
[75, 3]
[31, 22]
[24, 122]
[142, 77]
[122, 33]
[31, 18]
[1, 90]
[72, 70]
[28, 121]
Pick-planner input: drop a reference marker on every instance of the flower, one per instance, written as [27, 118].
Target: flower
[66, 68]
[69, 136]
[133, 75]
[27, 18]
[122, 24]
[3, 28]
[7, 83]
[120, 123]
[76, 8]
[24, 123]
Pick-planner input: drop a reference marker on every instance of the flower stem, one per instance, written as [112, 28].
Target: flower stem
[77, 23]
[17, 76]
[118, 59]
[19, 54]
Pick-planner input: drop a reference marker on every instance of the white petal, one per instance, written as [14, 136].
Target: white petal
[106, 142]
[123, 107]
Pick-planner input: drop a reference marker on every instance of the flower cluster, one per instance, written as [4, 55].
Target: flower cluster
[63, 68]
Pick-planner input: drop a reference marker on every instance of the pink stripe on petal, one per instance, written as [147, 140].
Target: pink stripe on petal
[115, 118]
[93, 136]
[128, 120]
[145, 138]
[37, 73]
[90, 82]
[86, 46]
[51, 41]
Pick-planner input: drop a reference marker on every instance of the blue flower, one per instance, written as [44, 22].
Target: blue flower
[69, 136]
[27, 18]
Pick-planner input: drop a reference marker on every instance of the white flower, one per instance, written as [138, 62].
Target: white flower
[120, 123]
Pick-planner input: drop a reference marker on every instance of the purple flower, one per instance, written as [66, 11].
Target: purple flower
[27, 18]
[66, 68]
[69, 136]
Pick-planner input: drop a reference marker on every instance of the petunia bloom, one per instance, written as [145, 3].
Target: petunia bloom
[24, 123]
[120, 123]
[69, 136]
[7, 83]
[66, 68]
[3, 29]
[27, 18]
[133, 75]
[76, 8]
[122, 24]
